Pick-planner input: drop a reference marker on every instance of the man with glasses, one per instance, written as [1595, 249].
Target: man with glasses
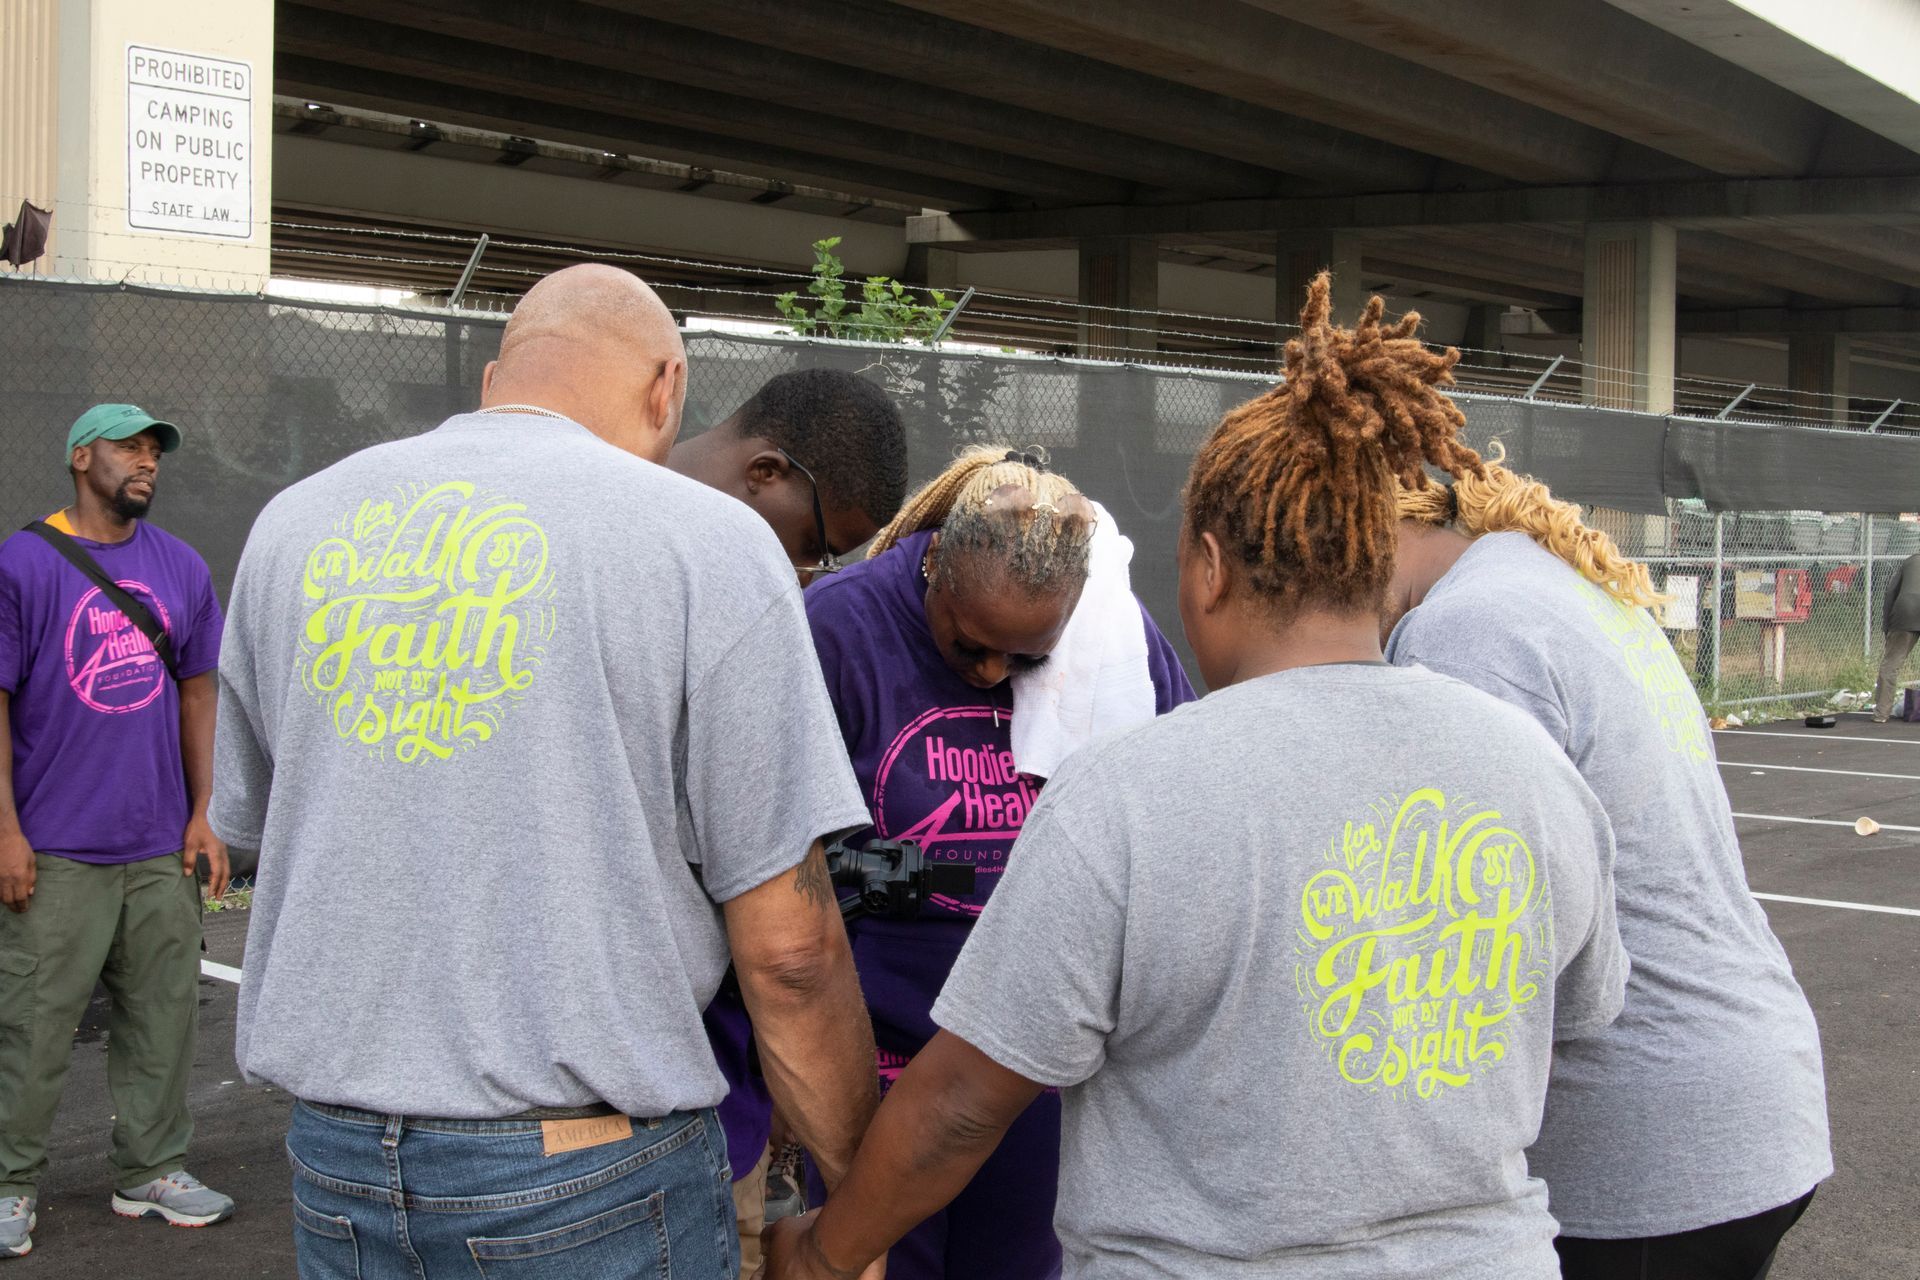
[820, 454]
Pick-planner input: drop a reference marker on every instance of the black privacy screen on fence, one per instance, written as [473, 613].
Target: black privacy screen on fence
[269, 391]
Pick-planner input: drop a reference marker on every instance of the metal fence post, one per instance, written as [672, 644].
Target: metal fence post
[1719, 566]
[466, 273]
[1545, 373]
[953, 313]
[1866, 587]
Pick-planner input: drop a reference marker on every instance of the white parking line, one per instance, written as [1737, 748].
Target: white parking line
[1845, 906]
[227, 973]
[1817, 822]
[1807, 768]
[1811, 737]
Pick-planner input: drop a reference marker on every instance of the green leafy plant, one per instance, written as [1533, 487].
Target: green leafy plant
[887, 312]
[1855, 674]
[235, 900]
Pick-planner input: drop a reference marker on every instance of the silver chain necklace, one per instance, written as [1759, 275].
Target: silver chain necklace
[525, 408]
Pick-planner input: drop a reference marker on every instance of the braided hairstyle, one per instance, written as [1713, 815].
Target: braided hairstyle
[1041, 557]
[1501, 501]
[1300, 483]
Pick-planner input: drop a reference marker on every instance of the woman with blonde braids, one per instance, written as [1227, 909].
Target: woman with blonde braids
[924, 646]
[1685, 1139]
[1497, 500]
[1295, 955]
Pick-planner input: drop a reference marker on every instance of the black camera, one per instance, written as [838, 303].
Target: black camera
[892, 878]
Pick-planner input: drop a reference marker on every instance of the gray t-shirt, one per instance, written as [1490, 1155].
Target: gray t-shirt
[1295, 955]
[1705, 1102]
[507, 711]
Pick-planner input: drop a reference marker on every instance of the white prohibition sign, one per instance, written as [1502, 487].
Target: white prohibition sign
[189, 143]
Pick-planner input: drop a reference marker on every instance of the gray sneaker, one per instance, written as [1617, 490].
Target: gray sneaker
[179, 1198]
[17, 1221]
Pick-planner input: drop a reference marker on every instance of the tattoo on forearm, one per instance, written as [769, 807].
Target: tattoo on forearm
[812, 882]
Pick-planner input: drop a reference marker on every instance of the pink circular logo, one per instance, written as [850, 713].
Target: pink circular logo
[948, 783]
[110, 662]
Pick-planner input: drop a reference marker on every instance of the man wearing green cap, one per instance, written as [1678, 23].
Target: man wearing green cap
[108, 744]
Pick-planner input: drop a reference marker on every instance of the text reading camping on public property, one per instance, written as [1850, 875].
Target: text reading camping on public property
[189, 144]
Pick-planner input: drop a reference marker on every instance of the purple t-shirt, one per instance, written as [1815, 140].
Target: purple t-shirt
[97, 775]
[933, 754]
[934, 758]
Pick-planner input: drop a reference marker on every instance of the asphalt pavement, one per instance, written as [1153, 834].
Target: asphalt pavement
[1801, 790]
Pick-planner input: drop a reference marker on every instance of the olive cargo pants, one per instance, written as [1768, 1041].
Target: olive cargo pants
[134, 927]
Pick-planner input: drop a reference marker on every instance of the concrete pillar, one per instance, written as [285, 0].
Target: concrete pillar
[1627, 316]
[1299, 256]
[148, 130]
[1483, 336]
[29, 100]
[935, 268]
[1818, 365]
[1123, 276]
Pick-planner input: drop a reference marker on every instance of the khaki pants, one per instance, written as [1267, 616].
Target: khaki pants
[136, 928]
[749, 1208]
[1899, 645]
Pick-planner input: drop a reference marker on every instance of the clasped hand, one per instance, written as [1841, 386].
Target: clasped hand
[792, 1252]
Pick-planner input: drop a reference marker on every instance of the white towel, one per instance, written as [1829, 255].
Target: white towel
[1097, 679]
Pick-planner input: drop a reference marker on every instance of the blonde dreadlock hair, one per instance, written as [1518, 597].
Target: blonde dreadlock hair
[1300, 483]
[1501, 501]
[1039, 556]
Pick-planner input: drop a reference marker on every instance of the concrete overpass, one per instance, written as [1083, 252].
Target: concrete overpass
[1718, 187]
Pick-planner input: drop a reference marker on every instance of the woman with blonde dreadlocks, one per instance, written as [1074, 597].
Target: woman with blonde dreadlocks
[1684, 1140]
[1295, 954]
[944, 655]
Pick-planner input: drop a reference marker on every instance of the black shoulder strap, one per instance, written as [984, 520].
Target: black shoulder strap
[138, 614]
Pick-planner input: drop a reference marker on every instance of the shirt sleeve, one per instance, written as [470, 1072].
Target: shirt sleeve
[766, 772]
[1592, 986]
[1171, 687]
[13, 640]
[200, 646]
[837, 669]
[1542, 706]
[1037, 986]
[242, 750]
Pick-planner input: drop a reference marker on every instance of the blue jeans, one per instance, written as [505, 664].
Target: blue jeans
[397, 1198]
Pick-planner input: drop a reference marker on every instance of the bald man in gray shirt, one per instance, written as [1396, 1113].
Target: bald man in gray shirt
[531, 737]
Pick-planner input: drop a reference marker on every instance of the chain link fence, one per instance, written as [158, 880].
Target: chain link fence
[269, 391]
[1775, 611]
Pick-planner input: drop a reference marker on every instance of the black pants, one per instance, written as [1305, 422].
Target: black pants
[1739, 1250]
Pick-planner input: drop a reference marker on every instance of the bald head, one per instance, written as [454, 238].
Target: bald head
[595, 343]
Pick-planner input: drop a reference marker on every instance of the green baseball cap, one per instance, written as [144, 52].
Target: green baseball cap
[120, 422]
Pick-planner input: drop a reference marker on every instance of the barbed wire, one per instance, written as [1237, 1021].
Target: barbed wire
[1472, 378]
[1790, 405]
[1279, 326]
[611, 254]
[1639, 379]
